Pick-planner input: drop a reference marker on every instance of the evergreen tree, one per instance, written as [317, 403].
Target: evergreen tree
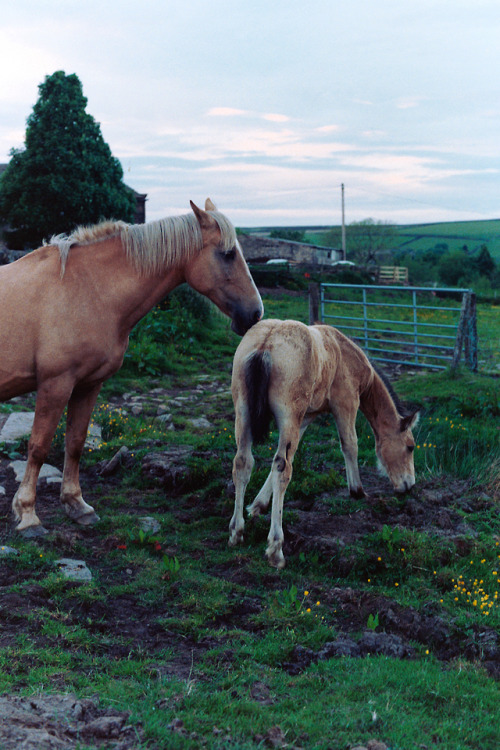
[66, 175]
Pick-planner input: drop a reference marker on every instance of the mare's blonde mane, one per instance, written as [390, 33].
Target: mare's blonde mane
[153, 247]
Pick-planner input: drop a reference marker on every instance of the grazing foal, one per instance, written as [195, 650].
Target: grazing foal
[294, 372]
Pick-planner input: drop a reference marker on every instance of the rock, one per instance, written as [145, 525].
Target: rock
[343, 646]
[383, 643]
[75, 570]
[47, 471]
[19, 424]
[201, 424]
[2, 490]
[94, 437]
[170, 466]
[149, 524]
[6, 551]
[136, 410]
[120, 458]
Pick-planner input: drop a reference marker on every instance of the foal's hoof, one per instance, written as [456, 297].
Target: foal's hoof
[89, 519]
[33, 532]
[275, 558]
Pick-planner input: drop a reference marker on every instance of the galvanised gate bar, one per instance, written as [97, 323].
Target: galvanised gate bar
[407, 325]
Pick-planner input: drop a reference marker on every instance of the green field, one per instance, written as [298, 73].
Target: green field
[384, 625]
[455, 235]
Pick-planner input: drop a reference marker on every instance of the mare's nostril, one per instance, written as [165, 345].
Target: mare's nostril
[257, 316]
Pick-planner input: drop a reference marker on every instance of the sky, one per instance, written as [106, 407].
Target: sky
[268, 106]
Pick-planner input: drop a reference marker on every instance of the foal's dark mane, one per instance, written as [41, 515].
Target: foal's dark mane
[402, 408]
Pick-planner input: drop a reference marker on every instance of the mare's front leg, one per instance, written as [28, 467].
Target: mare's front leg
[281, 475]
[80, 408]
[51, 399]
[242, 470]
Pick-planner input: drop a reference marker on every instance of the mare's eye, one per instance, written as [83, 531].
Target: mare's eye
[411, 448]
[229, 255]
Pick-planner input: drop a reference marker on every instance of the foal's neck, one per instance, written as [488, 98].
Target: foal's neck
[377, 405]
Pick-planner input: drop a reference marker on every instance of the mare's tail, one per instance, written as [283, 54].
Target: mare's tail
[257, 376]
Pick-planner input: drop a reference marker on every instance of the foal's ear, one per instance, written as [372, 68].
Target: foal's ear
[409, 422]
[209, 206]
[205, 220]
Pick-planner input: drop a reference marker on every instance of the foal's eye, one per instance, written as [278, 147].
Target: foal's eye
[411, 448]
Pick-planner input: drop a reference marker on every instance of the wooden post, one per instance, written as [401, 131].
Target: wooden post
[313, 304]
[470, 346]
[457, 351]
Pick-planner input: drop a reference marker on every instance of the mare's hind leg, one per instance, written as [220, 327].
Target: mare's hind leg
[80, 408]
[51, 399]
[345, 419]
[242, 469]
[281, 475]
[266, 491]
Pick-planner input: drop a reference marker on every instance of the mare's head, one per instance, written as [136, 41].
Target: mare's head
[394, 446]
[219, 270]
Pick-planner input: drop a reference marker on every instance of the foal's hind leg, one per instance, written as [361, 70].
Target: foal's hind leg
[266, 491]
[80, 408]
[51, 399]
[281, 475]
[242, 469]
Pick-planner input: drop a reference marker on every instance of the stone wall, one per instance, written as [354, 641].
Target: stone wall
[262, 249]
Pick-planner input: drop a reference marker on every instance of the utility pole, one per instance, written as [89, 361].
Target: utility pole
[343, 224]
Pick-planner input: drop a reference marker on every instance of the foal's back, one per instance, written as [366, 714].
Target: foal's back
[307, 361]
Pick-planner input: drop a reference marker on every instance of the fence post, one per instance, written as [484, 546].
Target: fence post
[313, 304]
[457, 351]
[471, 334]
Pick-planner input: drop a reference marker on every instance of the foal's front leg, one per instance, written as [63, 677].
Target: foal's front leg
[346, 426]
[80, 408]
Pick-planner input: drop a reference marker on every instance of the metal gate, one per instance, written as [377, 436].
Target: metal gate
[407, 325]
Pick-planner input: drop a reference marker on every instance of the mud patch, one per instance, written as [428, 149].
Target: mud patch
[61, 722]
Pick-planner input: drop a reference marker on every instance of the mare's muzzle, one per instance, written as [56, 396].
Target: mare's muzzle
[242, 320]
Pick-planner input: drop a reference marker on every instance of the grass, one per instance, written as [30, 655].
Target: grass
[192, 637]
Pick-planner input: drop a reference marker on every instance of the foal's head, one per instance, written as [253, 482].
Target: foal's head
[220, 271]
[394, 447]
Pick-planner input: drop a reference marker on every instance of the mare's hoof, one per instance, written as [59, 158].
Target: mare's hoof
[89, 519]
[33, 532]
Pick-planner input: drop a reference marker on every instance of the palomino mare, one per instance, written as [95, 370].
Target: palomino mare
[67, 311]
[294, 372]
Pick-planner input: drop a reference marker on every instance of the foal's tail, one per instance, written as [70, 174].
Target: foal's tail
[257, 376]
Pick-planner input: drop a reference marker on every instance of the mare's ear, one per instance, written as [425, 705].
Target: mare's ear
[209, 206]
[410, 421]
[204, 220]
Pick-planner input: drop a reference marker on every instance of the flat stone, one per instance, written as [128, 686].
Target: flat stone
[201, 424]
[6, 551]
[47, 471]
[94, 437]
[149, 524]
[75, 570]
[18, 425]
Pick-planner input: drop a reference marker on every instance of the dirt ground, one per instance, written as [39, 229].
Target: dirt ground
[61, 720]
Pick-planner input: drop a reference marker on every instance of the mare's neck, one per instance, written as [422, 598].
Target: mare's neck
[120, 287]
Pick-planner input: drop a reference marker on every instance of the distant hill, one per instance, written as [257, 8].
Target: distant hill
[454, 234]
